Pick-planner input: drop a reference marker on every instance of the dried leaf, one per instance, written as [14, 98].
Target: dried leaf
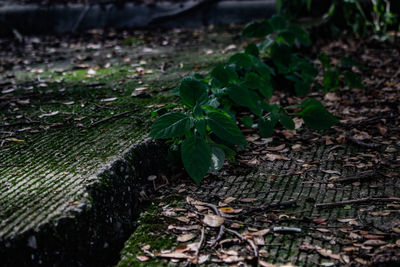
[266, 264]
[183, 228]
[276, 148]
[175, 255]
[328, 253]
[12, 139]
[213, 220]
[273, 157]
[142, 258]
[109, 99]
[374, 242]
[49, 114]
[227, 210]
[185, 237]
[203, 259]
[260, 233]
[229, 200]
[193, 202]
[183, 219]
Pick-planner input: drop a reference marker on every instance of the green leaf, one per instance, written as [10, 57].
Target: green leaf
[353, 80]
[241, 60]
[324, 59]
[253, 80]
[223, 127]
[266, 127]
[242, 97]
[311, 102]
[300, 34]
[281, 56]
[277, 22]
[223, 75]
[287, 36]
[331, 80]
[256, 82]
[261, 68]
[171, 125]
[200, 125]
[301, 88]
[286, 121]
[217, 159]
[193, 91]
[348, 63]
[257, 29]
[229, 152]
[196, 157]
[252, 49]
[247, 121]
[318, 118]
[198, 111]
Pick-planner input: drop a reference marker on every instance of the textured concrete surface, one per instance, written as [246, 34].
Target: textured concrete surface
[73, 175]
[305, 176]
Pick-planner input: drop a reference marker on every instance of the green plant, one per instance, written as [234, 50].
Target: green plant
[381, 18]
[204, 128]
[332, 73]
[191, 128]
[363, 20]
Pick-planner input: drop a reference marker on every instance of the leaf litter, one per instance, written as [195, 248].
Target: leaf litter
[365, 233]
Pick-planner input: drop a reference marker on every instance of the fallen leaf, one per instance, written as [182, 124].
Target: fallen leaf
[320, 221]
[369, 236]
[183, 228]
[49, 114]
[183, 219]
[328, 253]
[193, 202]
[260, 233]
[266, 264]
[374, 243]
[248, 200]
[185, 237]
[276, 148]
[323, 230]
[109, 99]
[259, 240]
[307, 247]
[213, 220]
[203, 259]
[229, 200]
[227, 210]
[12, 139]
[273, 157]
[175, 255]
[380, 213]
[142, 258]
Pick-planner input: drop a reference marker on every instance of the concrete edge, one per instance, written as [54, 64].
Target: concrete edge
[93, 232]
[56, 19]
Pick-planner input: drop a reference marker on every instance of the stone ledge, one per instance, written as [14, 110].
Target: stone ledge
[93, 232]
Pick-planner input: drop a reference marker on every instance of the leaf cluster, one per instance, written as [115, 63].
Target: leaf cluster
[204, 130]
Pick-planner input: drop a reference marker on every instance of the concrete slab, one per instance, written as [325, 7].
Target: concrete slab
[74, 160]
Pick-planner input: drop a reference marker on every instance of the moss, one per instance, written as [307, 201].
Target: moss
[152, 230]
